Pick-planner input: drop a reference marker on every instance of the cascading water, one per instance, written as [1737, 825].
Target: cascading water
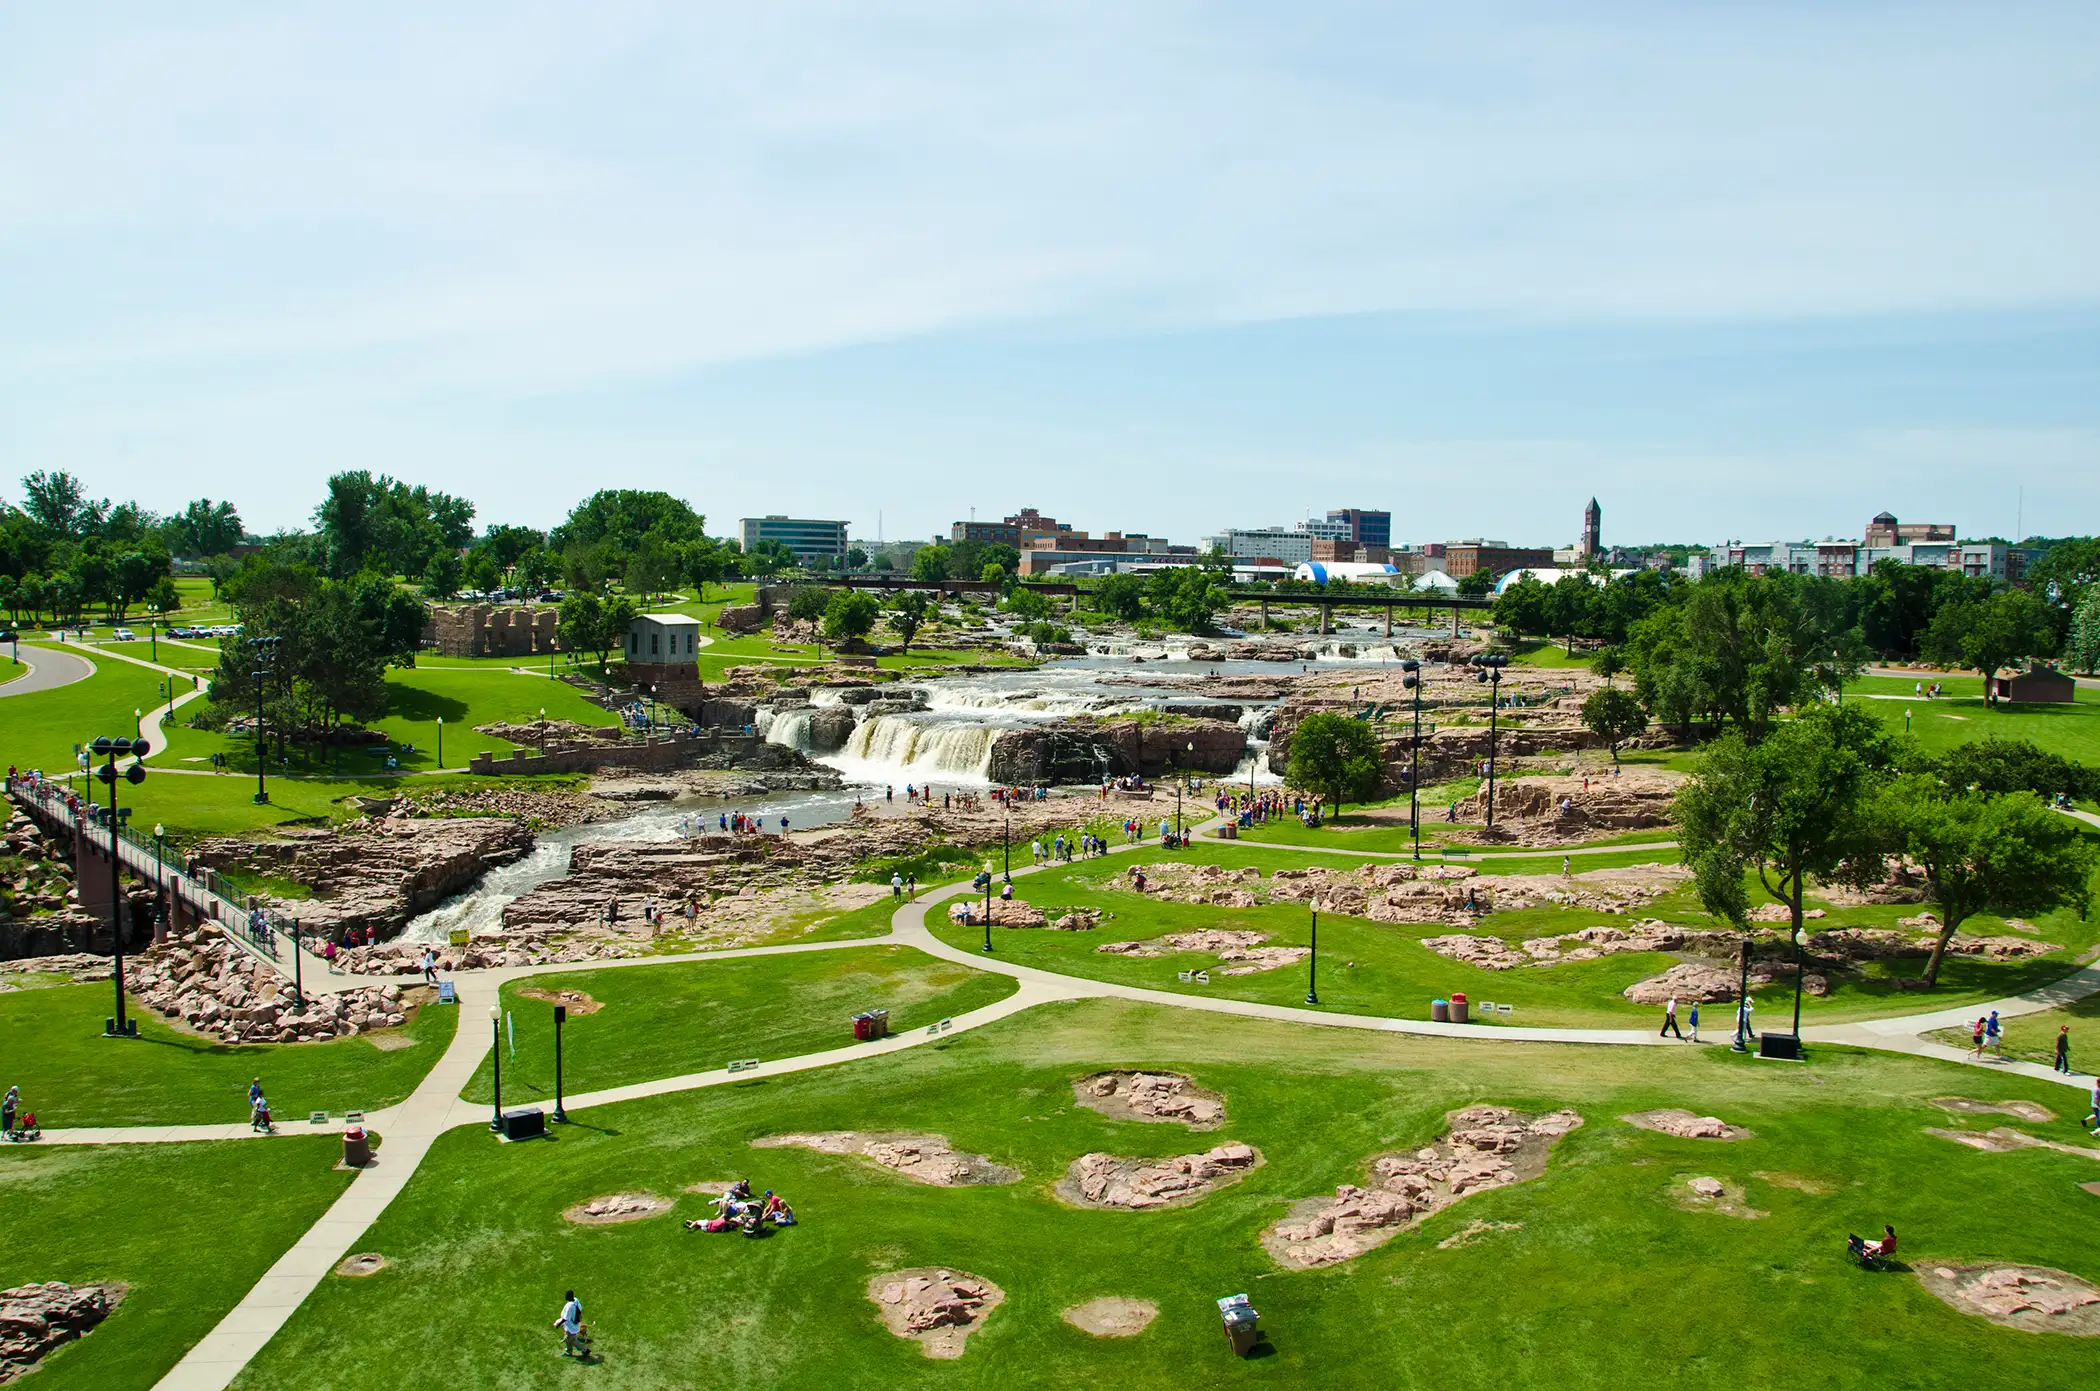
[917, 748]
[789, 727]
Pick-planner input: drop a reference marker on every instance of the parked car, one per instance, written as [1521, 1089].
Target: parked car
[125, 635]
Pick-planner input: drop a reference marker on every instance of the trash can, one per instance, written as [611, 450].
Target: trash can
[1242, 1324]
[1460, 1009]
[878, 1023]
[1440, 1011]
[863, 1028]
[357, 1148]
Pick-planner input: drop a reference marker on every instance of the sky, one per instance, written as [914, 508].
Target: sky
[1738, 270]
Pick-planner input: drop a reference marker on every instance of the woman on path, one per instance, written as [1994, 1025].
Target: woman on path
[1976, 1039]
[2063, 1048]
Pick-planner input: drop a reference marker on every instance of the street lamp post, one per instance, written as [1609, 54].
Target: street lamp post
[1413, 682]
[496, 1052]
[1491, 664]
[108, 750]
[987, 905]
[543, 731]
[441, 744]
[1798, 934]
[561, 1017]
[1006, 836]
[1312, 974]
[265, 650]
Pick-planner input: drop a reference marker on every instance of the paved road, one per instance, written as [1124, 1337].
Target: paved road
[49, 668]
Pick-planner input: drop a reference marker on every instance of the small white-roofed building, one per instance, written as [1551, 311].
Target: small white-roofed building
[663, 647]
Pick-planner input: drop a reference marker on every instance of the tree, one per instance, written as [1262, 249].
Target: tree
[707, 561]
[651, 568]
[1572, 603]
[1186, 597]
[1998, 766]
[593, 623]
[2008, 854]
[1608, 662]
[1337, 754]
[616, 519]
[481, 572]
[1525, 607]
[442, 574]
[2083, 646]
[1477, 585]
[371, 521]
[1740, 649]
[507, 545]
[204, 528]
[850, 614]
[930, 563]
[1614, 716]
[1119, 596]
[807, 603]
[1795, 806]
[1990, 634]
[856, 558]
[59, 504]
[1027, 603]
[769, 557]
[908, 615]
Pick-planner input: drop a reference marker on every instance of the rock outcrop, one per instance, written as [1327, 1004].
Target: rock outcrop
[203, 980]
[37, 1319]
[923, 1158]
[1150, 1096]
[1119, 1181]
[937, 1308]
[1242, 950]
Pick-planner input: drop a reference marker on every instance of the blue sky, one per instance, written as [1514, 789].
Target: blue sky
[1739, 270]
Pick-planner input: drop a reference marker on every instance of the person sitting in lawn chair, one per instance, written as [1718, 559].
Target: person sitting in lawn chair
[1872, 1253]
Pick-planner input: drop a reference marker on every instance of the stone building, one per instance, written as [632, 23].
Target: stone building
[481, 630]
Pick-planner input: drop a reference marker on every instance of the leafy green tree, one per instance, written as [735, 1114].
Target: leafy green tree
[965, 559]
[442, 574]
[1027, 603]
[2067, 571]
[1525, 607]
[1614, 715]
[204, 528]
[708, 562]
[507, 545]
[1740, 648]
[1572, 608]
[850, 614]
[856, 558]
[1336, 754]
[60, 504]
[884, 563]
[807, 603]
[931, 563]
[1796, 806]
[1990, 634]
[618, 519]
[481, 571]
[1477, 585]
[591, 622]
[1608, 663]
[1999, 766]
[993, 573]
[769, 557]
[163, 598]
[908, 614]
[1043, 634]
[1119, 596]
[651, 568]
[2082, 648]
[2006, 854]
[1187, 597]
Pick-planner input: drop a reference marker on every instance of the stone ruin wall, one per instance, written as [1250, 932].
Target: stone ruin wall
[483, 630]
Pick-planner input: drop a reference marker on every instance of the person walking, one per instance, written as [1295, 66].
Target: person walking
[1745, 1030]
[1694, 1021]
[1670, 1021]
[2063, 1048]
[911, 886]
[1994, 1033]
[328, 956]
[254, 1092]
[1976, 1039]
[570, 1322]
[896, 884]
[430, 963]
[2092, 1119]
[9, 1104]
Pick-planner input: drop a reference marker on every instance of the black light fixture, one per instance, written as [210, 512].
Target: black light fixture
[1413, 682]
[265, 650]
[561, 1017]
[110, 750]
[496, 1053]
[1312, 975]
[1490, 666]
[987, 905]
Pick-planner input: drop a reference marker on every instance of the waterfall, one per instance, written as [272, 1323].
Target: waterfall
[904, 748]
[789, 727]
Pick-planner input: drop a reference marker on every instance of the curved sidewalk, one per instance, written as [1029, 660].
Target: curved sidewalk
[53, 669]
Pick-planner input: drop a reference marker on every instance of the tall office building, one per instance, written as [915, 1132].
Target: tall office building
[806, 538]
[1366, 528]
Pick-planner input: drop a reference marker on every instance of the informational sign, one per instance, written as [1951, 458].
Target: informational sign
[446, 995]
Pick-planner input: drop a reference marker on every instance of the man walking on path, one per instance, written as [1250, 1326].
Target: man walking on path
[570, 1323]
[430, 963]
[1695, 1021]
[1994, 1032]
[2063, 1048]
[896, 884]
[1744, 1033]
[2092, 1120]
[1670, 1021]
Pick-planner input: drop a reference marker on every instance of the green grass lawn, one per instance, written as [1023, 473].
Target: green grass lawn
[200, 656]
[1549, 654]
[39, 730]
[1962, 715]
[2032, 1037]
[663, 1021]
[72, 1076]
[201, 804]
[1354, 831]
[189, 1228]
[1597, 1275]
[1382, 968]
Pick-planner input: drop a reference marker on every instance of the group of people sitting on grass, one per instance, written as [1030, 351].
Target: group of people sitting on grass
[737, 1211]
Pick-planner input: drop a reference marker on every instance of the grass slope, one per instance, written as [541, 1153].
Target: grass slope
[663, 1021]
[1607, 1281]
[72, 1076]
[187, 1227]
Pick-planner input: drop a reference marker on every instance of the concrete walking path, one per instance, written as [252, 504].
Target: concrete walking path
[52, 669]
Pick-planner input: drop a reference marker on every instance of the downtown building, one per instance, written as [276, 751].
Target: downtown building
[810, 540]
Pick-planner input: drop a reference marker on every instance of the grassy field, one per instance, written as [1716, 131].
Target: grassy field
[1600, 1274]
[188, 1228]
[1962, 715]
[39, 730]
[1549, 654]
[2032, 1037]
[1382, 968]
[1381, 835]
[72, 1076]
[664, 1021]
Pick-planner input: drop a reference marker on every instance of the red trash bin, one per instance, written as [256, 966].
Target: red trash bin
[1459, 1007]
[863, 1028]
